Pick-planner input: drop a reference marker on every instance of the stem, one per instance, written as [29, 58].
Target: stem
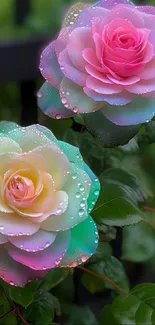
[105, 278]
[21, 317]
[148, 209]
[8, 313]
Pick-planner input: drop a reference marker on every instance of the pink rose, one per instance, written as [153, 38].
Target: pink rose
[103, 58]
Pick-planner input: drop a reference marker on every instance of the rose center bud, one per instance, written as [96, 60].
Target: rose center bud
[21, 187]
[20, 190]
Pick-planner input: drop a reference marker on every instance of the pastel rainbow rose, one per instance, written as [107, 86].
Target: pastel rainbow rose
[46, 195]
[103, 58]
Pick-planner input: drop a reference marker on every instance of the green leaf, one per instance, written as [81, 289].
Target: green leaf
[121, 177]
[53, 278]
[136, 308]
[4, 308]
[110, 267]
[92, 283]
[107, 233]
[104, 250]
[22, 296]
[79, 315]
[43, 309]
[79, 119]
[116, 206]
[138, 243]
[65, 290]
[110, 134]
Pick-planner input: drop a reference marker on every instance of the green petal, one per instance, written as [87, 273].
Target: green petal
[6, 126]
[78, 189]
[72, 153]
[84, 241]
[95, 189]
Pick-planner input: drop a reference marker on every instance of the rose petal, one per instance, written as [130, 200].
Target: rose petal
[48, 258]
[79, 39]
[142, 87]
[127, 12]
[78, 189]
[8, 145]
[72, 153]
[73, 14]
[69, 70]
[103, 88]
[49, 66]
[61, 42]
[14, 225]
[37, 242]
[82, 245]
[3, 239]
[50, 103]
[88, 14]
[57, 163]
[149, 70]
[31, 137]
[111, 3]
[59, 203]
[97, 75]
[122, 99]
[75, 99]
[95, 188]
[139, 111]
[14, 273]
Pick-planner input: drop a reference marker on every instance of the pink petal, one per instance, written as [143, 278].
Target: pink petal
[37, 242]
[97, 75]
[122, 99]
[14, 273]
[47, 259]
[124, 81]
[49, 66]
[85, 19]
[14, 225]
[101, 87]
[90, 56]
[148, 53]
[149, 70]
[142, 87]
[3, 239]
[147, 14]
[127, 12]
[57, 163]
[62, 40]
[74, 98]
[98, 44]
[79, 39]
[111, 3]
[69, 70]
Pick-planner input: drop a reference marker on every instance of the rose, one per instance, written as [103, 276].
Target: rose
[46, 195]
[103, 58]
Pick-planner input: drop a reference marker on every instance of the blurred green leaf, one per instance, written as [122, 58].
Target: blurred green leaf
[110, 267]
[107, 233]
[22, 296]
[138, 243]
[79, 315]
[136, 308]
[116, 206]
[110, 134]
[5, 307]
[53, 278]
[65, 290]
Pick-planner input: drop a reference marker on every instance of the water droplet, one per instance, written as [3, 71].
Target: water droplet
[75, 110]
[82, 204]
[39, 94]
[58, 116]
[1, 228]
[96, 192]
[11, 283]
[59, 211]
[47, 244]
[57, 262]
[81, 188]
[74, 176]
[74, 264]
[77, 195]
[67, 93]
[64, 101]
[84, 258]
[81, 212]
[96, 241]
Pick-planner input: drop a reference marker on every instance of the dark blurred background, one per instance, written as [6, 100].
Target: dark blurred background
[26, 26]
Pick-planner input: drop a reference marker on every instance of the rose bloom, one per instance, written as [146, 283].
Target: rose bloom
[103, 58]
[46, 195]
